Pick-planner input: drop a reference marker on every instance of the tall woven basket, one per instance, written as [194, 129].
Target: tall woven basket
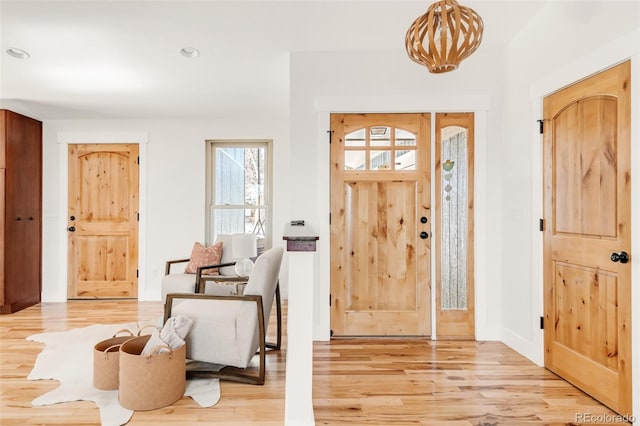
[153, 381]
[106, 358]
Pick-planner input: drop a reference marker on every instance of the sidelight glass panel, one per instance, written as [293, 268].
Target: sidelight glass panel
[454, 220]
[355, 138]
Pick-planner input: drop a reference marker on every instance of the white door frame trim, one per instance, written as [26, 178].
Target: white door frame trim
[479, 105]
[66, 138]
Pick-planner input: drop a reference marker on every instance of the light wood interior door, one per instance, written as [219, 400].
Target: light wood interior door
[455, 307]
[587, 189]
[103, 223]
[380, 224]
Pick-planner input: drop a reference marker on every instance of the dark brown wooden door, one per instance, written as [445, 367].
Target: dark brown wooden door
[23, 211]
[587, 194]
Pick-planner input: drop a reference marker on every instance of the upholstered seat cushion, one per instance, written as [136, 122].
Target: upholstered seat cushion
[177, 283]
[221, 332]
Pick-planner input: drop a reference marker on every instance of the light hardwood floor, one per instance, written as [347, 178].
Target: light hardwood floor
[356, 382]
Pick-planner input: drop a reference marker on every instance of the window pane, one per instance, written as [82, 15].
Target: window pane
[229, 176]
[354, 160]
[254, 176]
[380, 136]
[233, 221]
[355, 138]
[454, 218]
[228, 221]
[405, 160]
[380, 160]
[405, 138]
[239, 175]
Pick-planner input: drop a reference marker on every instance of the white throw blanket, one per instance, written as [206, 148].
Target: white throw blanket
[172, 334]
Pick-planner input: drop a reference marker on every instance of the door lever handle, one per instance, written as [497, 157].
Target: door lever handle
[622, 257]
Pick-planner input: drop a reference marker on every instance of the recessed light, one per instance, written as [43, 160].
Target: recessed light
[189, 52]
[18, 53]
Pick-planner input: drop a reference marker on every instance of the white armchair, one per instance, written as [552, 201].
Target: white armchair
[229, 330]
[181, 282]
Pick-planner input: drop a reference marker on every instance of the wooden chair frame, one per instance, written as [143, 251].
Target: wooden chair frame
[201, 282]
[226, 373]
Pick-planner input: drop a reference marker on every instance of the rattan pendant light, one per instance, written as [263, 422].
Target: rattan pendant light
[445, 35]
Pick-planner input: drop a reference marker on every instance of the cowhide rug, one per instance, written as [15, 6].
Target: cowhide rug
[68, 358]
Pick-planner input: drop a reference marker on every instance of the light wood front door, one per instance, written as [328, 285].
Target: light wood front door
[380, 225]
[102, 222]
[587, 284]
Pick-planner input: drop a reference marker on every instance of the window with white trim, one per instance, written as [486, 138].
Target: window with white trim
[239, 189]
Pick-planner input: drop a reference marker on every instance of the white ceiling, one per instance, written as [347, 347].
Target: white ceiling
[119, 59]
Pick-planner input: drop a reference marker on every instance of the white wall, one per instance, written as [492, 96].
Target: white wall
[560, 46]
[172, 209]
[325, 82]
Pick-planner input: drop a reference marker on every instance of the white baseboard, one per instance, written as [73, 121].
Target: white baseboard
[524, 347]
[489, 334]
[53, 297]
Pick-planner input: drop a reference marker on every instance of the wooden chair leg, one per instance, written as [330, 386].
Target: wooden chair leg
[276, 346]
[232, 374]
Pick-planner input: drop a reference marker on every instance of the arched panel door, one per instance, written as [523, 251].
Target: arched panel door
[587, 237]
[102, 222]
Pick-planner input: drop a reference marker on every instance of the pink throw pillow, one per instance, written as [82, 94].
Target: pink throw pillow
[202, 256]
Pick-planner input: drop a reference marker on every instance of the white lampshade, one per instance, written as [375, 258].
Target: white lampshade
[244, 246]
